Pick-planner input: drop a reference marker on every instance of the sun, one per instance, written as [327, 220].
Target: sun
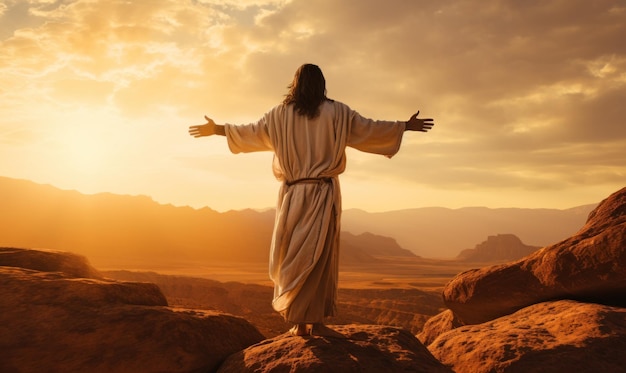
[84, 149]
[85, 154]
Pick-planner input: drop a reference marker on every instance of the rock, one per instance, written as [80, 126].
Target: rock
[56, 322]
[498, 248]
[54, 288]
[589, 266]
[560, 336]
[437, 325]
[368, 349]
[48, 261]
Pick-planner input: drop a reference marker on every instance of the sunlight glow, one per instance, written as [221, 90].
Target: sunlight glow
[84, 154]
[82, 146]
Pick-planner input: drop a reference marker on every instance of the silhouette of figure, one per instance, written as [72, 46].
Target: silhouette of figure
[308, 134]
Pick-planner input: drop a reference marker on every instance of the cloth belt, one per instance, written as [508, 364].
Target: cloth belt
[310, 180]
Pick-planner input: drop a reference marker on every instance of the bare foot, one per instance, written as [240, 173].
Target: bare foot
[321, 330]
[299, 330]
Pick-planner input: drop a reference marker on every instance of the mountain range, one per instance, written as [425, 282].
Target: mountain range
[118, 231]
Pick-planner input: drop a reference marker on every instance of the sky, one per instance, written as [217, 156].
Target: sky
[528, 97]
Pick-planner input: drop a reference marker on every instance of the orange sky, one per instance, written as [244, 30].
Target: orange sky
[529, 97]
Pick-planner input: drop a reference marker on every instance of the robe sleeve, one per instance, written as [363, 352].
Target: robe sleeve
[248, 138]
[375, 136]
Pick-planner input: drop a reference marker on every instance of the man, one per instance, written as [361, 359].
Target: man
[308, 134]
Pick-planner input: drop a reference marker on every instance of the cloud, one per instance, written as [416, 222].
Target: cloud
[523, 93]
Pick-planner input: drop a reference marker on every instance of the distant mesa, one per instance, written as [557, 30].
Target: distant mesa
[498, 248]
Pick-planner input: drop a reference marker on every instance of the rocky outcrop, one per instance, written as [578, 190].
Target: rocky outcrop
[561, 309]
[48, 261]
[54, 320]
[589, 266]
[367, 349]
[498, 248]
[559, 336]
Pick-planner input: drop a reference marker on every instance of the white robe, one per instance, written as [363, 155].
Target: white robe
[305, 243]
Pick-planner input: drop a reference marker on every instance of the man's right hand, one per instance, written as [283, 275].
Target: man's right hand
[418, 124]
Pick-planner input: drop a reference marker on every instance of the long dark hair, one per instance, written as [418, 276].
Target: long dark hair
[307, 91]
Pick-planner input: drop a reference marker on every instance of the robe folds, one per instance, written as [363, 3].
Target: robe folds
[305, 243]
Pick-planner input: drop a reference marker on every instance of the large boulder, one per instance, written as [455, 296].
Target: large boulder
[367, 349]
[589, 266]
[559, 336]
[58, 322]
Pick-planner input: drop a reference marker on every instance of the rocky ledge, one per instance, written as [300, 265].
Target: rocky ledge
[53, 320]
[367, 348]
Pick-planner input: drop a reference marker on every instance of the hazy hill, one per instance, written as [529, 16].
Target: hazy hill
[374, 245]
[115, 229]
[436, 232]
[498, 248]
[118, 231]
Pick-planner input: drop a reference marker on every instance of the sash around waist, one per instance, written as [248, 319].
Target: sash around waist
[309, 180]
